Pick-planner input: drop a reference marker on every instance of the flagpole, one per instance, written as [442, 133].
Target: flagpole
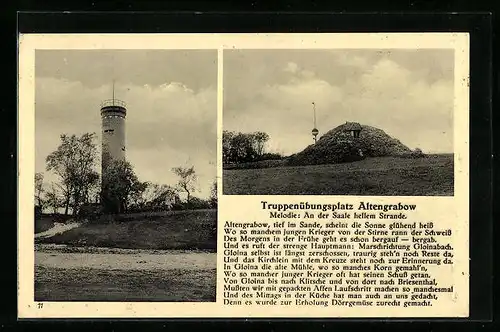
[314, 110]
[315, 130]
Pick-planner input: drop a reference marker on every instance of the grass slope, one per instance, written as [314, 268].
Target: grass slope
[190, 229]
[381, 176]
[46, 221]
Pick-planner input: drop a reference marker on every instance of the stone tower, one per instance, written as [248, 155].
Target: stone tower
[113, 113]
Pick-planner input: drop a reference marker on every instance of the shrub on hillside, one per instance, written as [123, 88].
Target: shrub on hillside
[90, 210]
[271, 156]
[417, 153]
[196, 203]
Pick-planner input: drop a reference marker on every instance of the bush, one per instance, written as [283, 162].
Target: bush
[90, 210]
[196, 203]
[417, 153]
[271, 156]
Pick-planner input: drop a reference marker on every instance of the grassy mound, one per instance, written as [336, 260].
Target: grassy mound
[338, 145]
[188, 229]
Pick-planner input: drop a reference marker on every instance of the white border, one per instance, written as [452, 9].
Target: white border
[28, 43]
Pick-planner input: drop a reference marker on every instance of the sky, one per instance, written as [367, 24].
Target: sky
[171, 98]
[406, 93]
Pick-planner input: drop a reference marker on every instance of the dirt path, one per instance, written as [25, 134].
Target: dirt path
[108, 259]
[57, 229]
[66, 273]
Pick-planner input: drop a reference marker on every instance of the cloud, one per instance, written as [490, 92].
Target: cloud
[289, 103]
[383, 89]
[350, 60]
[93, 68]
[291, 67]
[167, 125]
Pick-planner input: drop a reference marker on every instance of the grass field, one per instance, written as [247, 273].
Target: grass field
[190, 229]
[383, 176]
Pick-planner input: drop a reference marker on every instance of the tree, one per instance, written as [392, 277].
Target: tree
[243, 147]
[119, 186]
[93, 192]
[197, 203]
[227, 137]
[138, 198]
[213, 195]
[53, 198]
[39, 190]
[187, 180]
[164, 197]
[152, 196]
[74, 163]
[260, 139]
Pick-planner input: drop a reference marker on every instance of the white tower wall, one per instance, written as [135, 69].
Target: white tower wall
[113, 132]
[113, 136]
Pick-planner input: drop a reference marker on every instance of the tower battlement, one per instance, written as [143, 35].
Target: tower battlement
[113, 102]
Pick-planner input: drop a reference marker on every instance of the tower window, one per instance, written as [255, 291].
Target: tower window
[109, 130]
